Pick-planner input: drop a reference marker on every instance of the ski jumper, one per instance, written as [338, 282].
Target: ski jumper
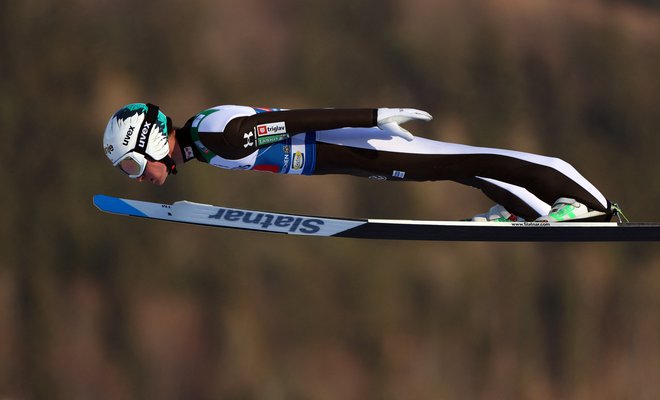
[347, 141]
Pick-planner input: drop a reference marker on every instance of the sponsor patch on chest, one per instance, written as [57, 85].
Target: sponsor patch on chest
[298, 161]
[271, 133]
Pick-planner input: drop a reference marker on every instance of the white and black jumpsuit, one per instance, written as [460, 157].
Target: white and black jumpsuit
[347, 141]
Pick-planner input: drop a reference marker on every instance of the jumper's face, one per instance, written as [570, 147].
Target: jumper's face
[155, 172]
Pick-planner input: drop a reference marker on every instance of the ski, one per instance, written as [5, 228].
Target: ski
[292, 224]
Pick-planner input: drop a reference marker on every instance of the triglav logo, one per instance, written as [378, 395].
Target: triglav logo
[271, 129]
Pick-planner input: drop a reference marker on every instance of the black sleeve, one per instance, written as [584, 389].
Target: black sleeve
[298, 121]
[236, 141]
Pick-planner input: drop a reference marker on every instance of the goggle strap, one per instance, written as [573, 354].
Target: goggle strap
[128, 156]
[170, 164]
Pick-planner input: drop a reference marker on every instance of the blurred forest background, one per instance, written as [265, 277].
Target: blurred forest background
[105, 307]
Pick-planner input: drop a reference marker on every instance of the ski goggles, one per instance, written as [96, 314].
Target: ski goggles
[132, 164]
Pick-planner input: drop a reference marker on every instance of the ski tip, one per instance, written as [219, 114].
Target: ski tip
[99, 200]
[115, 205]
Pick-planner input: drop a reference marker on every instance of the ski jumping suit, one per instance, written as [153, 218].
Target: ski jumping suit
[347, 141]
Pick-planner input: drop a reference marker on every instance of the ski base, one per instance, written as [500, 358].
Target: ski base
[292, 224]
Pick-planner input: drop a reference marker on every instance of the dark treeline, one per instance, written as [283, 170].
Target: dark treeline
[95, 306]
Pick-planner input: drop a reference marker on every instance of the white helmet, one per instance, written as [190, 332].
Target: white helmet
[136, 133]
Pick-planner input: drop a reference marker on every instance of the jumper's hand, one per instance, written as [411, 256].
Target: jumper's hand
[389, 120]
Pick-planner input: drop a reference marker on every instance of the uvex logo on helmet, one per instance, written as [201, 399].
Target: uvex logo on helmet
[143, 134]
[127, 138]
